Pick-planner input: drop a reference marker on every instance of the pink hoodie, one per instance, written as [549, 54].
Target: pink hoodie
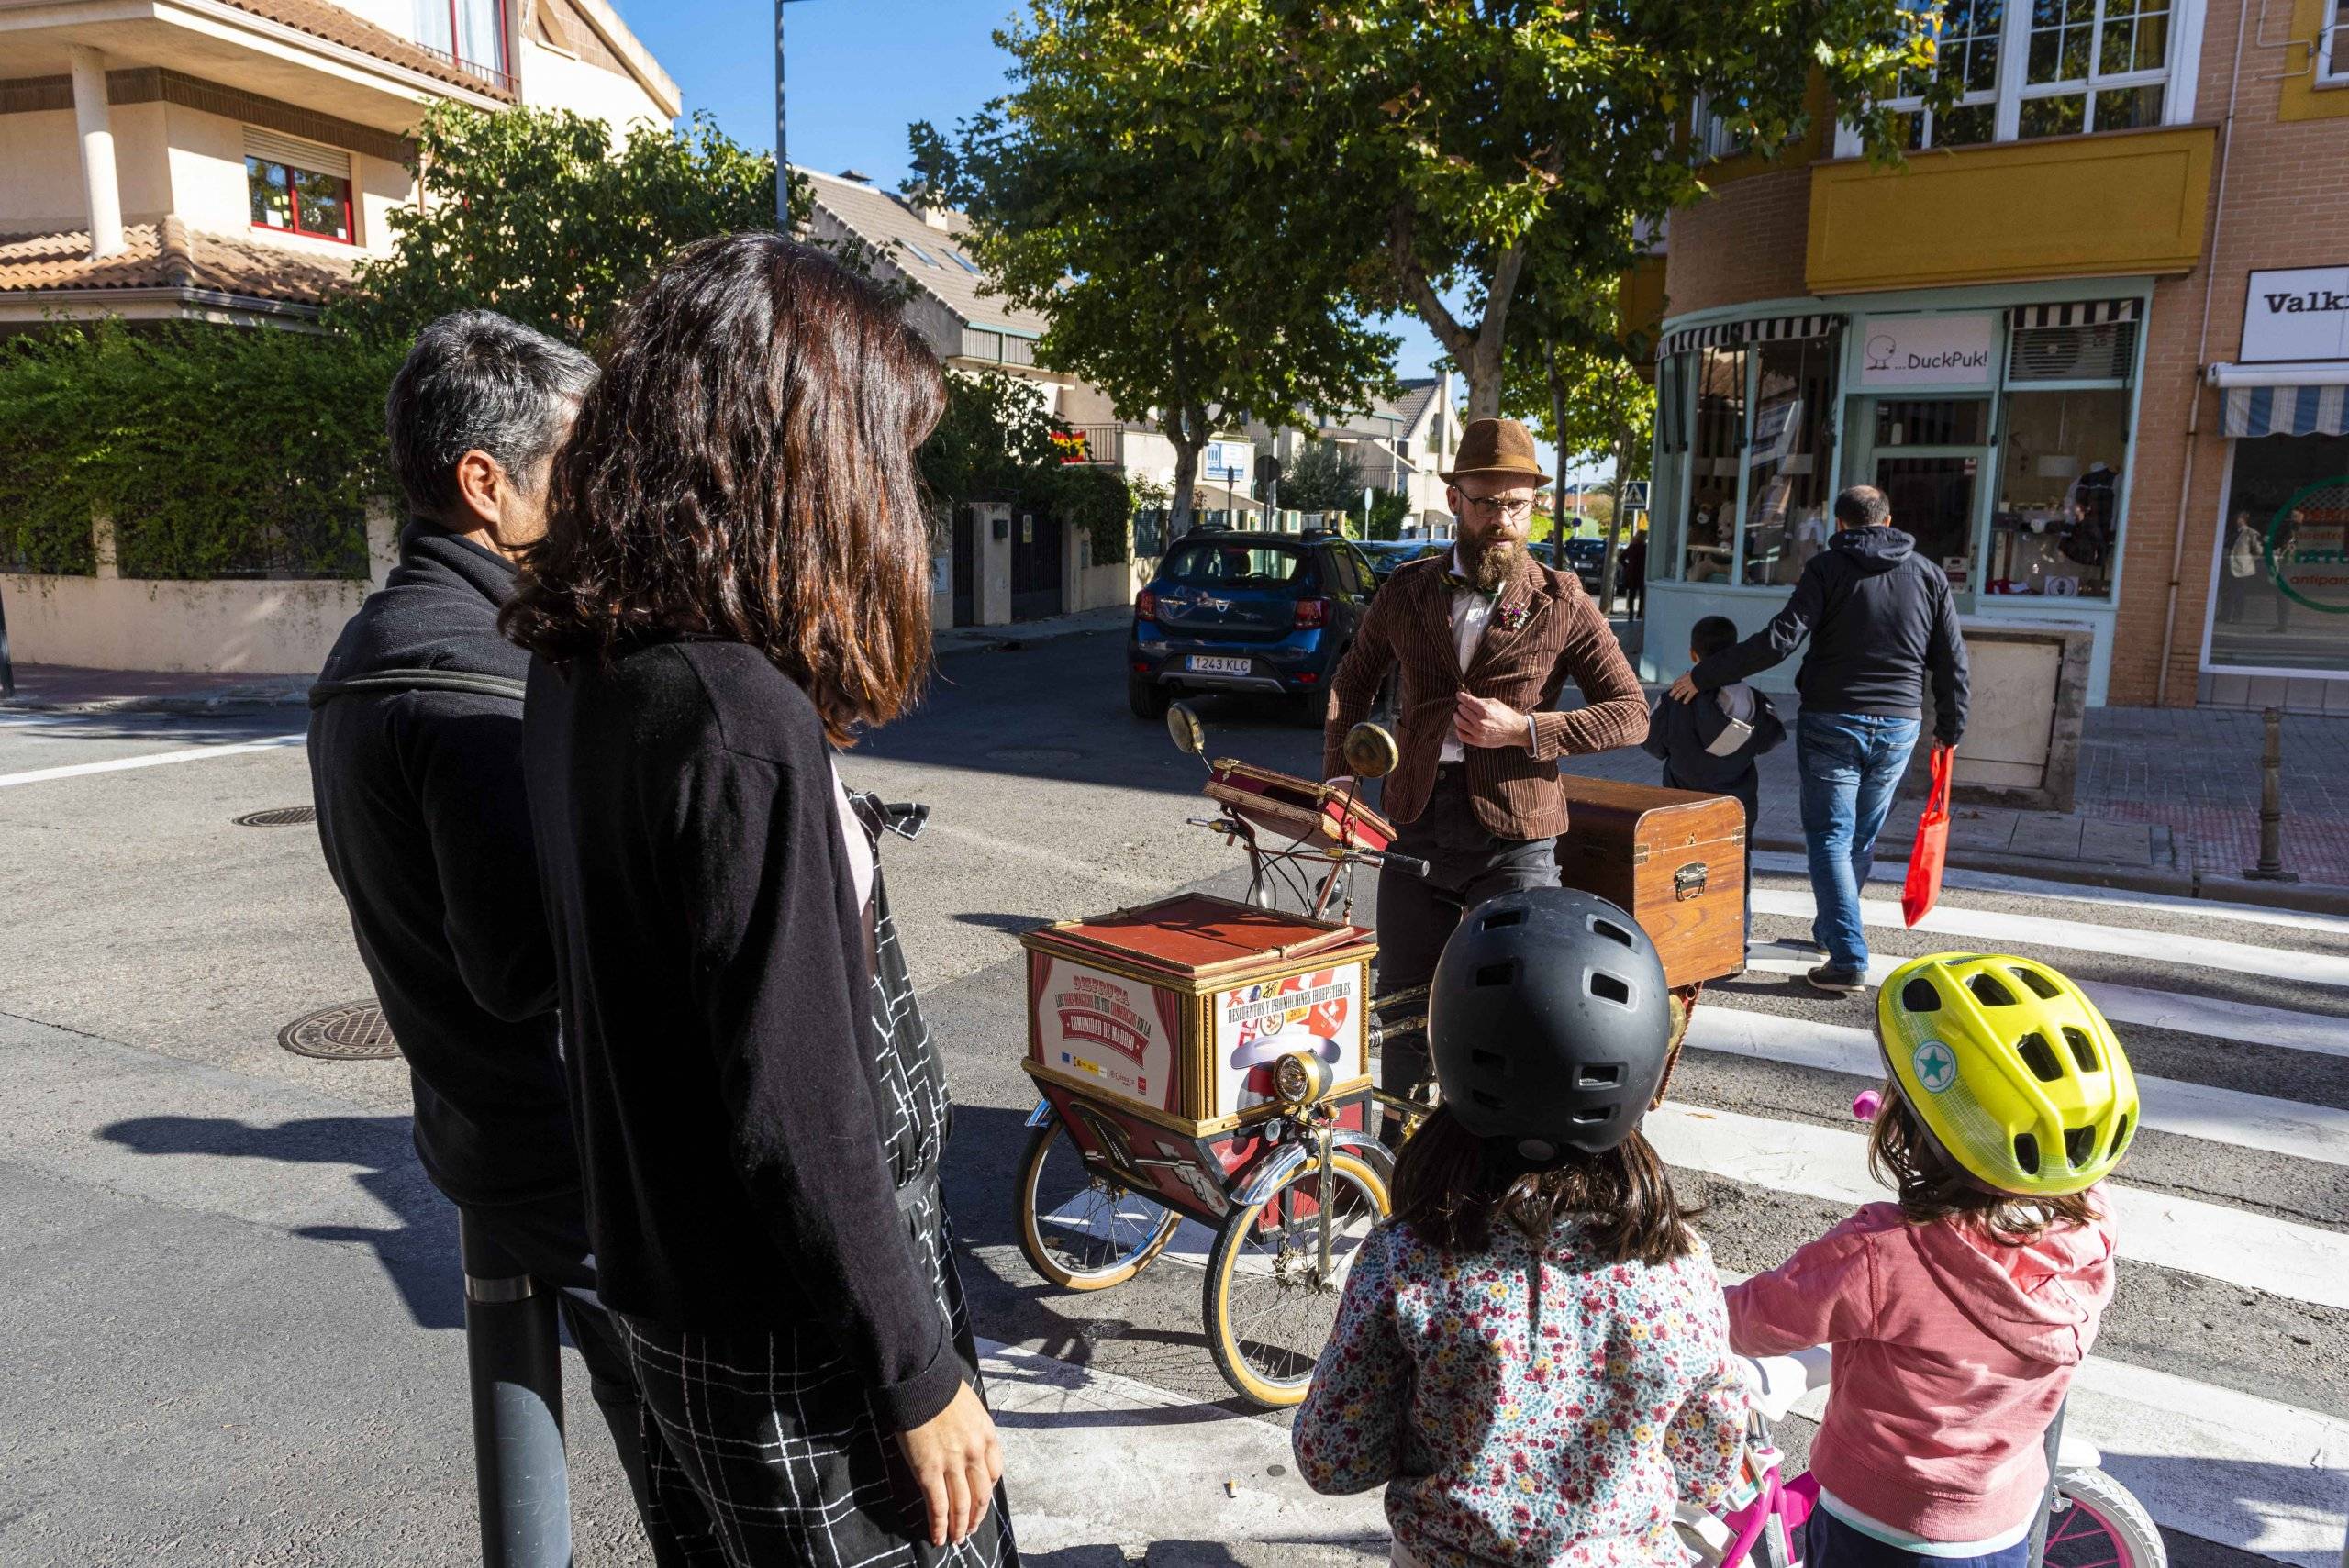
[1951, 1354]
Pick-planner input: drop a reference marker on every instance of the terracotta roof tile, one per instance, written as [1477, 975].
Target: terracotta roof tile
[170, 255]
[935, 262]
[332, 23]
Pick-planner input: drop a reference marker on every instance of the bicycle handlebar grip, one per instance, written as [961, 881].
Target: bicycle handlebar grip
[1409, 865]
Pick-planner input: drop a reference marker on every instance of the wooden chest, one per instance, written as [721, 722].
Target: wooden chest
[1674, 859]
[1176, 1011]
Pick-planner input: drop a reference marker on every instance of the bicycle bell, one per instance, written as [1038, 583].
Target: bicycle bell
[1370, 751]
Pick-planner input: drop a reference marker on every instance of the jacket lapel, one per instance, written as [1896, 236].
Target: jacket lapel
[1515, 614]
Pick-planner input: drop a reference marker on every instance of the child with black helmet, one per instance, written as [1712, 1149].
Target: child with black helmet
[1532, 1354]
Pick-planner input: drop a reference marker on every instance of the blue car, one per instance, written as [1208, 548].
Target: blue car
[1235, 611]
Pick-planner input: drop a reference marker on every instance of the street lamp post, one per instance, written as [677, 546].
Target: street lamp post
[781, 160]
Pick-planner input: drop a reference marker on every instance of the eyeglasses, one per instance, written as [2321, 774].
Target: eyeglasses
[1516, 511]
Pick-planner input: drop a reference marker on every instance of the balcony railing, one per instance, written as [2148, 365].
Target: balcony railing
[503, 81]
[1094, 443]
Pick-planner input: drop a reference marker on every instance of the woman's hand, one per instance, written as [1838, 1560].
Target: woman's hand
[956, 1459]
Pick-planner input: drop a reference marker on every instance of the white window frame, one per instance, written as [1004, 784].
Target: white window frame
[2181, 65]
[1711, 134]
[2332, 57]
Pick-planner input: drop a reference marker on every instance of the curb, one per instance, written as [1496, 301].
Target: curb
[2304, 898]
[191, 706]
[1015, 638]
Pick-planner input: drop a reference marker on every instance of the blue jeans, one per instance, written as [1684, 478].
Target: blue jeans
[1850, 763]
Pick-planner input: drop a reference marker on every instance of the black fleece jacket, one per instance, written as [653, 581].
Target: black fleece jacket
[1881, 623]
[717, 998]
[427, 832]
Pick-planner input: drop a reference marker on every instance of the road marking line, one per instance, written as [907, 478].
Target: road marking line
[151, 760]
[2230, 1116]
[2278, 1257]
[2038, 930]
[1781, 861]
[2318, 1033]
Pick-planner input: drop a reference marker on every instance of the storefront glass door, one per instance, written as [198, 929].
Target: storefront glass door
[1928, 455]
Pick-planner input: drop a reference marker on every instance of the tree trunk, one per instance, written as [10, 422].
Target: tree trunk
[1558, 429]
[1189, 441]
[1614, 527]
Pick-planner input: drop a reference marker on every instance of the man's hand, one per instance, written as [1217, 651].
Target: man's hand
[1481, 721]
[956, 1459]
[1683, 689]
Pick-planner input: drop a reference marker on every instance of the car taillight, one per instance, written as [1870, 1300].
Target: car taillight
[1312, 612]
[1146, 606]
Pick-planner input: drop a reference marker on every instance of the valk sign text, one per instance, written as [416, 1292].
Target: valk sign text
[1928, 350]
[2298, 314]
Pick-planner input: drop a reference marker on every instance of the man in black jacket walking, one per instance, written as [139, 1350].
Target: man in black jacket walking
[1881, 625]
[415, 764]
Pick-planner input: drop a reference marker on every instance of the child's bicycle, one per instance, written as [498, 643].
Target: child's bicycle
[2094, 1522]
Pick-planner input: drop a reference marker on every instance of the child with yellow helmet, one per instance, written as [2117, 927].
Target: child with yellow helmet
[1959, 1313]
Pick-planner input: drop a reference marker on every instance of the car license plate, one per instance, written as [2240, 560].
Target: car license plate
[1209, 664]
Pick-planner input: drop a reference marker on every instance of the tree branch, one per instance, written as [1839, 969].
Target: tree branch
[1413, 278]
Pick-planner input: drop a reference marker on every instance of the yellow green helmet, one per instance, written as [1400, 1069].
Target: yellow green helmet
[2014, 1071]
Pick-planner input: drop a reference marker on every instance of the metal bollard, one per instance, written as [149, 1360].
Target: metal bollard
[2271, 805]
[512, 1351]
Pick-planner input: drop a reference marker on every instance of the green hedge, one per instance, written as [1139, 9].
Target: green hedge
[218, 452]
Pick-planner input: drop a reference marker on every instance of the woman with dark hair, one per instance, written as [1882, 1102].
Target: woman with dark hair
[735, 580]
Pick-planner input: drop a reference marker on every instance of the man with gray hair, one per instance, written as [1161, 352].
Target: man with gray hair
[1881, 627]
[416, 764]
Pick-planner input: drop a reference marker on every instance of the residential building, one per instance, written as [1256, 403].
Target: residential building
[2092, 340]
[1400, 446]
[229, 159]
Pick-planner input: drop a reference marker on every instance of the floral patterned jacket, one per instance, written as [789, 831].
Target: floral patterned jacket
[1507, 1431]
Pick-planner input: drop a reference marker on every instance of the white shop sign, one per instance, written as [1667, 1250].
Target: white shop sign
[1929, 350]
[2301, 313]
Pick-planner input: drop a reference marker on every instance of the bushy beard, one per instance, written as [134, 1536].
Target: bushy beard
[1497, 565]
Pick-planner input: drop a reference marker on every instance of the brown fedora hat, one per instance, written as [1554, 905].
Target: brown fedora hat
[1496, 445]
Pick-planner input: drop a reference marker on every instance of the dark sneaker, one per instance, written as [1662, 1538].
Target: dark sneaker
[1833, 980]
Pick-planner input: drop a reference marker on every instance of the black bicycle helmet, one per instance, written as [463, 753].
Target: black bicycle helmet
[1549, 1022]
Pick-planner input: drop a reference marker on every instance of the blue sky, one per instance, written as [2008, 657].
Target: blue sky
[860, 73]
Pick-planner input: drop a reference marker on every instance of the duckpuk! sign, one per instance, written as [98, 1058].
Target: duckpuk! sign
[1929, 350]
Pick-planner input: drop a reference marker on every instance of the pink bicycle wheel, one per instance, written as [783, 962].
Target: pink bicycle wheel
[2100, 1525]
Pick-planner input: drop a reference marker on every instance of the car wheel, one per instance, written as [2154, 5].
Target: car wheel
[1146, 697]
[1311, 707]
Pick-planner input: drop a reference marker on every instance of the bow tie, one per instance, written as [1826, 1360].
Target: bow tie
[1468, 585]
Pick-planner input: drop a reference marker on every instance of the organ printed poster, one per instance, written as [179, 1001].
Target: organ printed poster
[1096, 1028]
[1256, 1025]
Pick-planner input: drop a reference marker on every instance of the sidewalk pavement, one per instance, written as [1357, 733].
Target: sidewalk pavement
[66, 688]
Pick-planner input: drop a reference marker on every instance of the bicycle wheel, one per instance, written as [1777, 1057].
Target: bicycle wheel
[1082, 1231]
[1268, 1306]
[2098, 1523]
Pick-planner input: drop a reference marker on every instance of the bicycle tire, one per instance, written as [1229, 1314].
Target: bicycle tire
[2113, 1516]
[1275, 1389]
[1122, 1266]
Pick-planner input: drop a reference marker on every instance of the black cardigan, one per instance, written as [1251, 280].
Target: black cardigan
[715, 991]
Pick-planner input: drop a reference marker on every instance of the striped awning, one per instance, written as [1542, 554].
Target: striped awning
[2077, 313]
[2286, 411]
[1769, 329]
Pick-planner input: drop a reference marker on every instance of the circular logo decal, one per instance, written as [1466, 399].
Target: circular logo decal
[2307, 546]
[1934, 1066]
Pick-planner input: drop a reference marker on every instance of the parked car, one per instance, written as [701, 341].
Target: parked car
[1240, 611]
[1584, 558]
[1385, 554]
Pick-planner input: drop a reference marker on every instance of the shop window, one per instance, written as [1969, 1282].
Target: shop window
[1788, 460]
[2056, 528]
[2281, 602]
[1715, 457]
[297, 188]
[1928, 454]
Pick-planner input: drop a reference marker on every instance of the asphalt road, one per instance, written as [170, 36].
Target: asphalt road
[231, 1339]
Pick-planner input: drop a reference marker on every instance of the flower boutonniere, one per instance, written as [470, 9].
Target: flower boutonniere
[1512, 618]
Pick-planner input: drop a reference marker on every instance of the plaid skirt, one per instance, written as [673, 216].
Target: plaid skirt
[762, 1449]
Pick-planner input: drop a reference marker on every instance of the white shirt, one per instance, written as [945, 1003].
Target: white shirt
[1472, 612]
[860, 848]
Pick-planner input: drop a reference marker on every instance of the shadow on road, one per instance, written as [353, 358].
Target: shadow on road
[418, 1255]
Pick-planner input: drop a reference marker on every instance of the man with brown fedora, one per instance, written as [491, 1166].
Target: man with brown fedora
[1484, 641]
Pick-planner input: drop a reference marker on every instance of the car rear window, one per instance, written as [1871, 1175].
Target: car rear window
[1236, 565]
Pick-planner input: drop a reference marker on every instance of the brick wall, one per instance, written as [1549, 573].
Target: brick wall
[2286, 203]
[1745, 242]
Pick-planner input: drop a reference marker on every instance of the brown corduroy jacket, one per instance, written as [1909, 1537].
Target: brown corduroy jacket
[1544, 631]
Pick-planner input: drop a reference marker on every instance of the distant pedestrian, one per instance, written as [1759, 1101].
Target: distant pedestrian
[1532, 1356]
[426, 830]
[735, 582]
[1711, 745]
[1634, 563]
[1881, 627]
[2241, 566]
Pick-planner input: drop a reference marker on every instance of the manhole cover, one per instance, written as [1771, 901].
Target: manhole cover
[279, 817]
[1034, 756]
[354, 1031]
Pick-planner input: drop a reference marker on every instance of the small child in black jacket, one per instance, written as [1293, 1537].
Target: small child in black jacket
[1709, 745]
